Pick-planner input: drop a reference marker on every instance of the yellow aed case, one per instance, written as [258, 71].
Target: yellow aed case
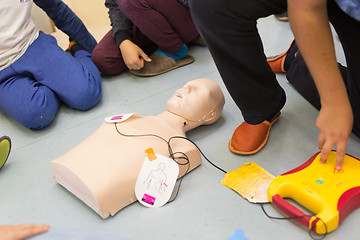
[331, 196]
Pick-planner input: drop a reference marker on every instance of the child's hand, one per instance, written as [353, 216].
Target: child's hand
[133, 55]
[335, 124]
[18, 232]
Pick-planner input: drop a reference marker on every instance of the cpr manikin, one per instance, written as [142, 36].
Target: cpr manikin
[103, 169]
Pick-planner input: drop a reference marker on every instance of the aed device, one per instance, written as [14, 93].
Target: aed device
[315, 186]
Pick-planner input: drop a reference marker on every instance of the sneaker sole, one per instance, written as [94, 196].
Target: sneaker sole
[180, 63]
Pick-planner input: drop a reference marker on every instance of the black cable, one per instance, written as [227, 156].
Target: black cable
[172, 154]
[312, 235]
[200, 152]
[187, 162]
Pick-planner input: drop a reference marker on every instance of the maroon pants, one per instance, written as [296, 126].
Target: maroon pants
[157, 24]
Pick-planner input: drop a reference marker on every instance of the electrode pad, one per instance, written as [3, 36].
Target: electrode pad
[156, 179]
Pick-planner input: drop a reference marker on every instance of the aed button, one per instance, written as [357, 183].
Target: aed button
[320, 181]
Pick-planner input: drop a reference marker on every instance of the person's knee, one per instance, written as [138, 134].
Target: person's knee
[107, 65]
[128, 7]
[204, 10]
[40, 112]
[86, 99]
[216, 10]
[99, 59]
[39, 119]
[89, 101]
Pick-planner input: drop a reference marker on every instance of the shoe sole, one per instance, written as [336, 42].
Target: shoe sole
[180, 63]
[263, 143]
[283, 19]
[5, 147]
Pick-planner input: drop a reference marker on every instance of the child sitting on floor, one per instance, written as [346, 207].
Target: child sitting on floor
[142, 28]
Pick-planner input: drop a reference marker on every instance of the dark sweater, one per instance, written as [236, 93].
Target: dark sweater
[121, 25]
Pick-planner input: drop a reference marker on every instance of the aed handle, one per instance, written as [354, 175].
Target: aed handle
[293, 212]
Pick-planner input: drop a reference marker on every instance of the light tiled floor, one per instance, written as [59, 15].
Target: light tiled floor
[204, 209]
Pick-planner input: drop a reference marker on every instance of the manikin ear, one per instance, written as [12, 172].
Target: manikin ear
[210, 118]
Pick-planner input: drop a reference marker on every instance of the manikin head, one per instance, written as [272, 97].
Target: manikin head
[200, 101]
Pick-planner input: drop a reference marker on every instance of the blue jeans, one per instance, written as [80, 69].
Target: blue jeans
[32, 88]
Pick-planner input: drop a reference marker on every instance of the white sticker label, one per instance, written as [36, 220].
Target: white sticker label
[118, 118]
[156, 181]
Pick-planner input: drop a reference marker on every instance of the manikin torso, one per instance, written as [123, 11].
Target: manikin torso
[102, 170]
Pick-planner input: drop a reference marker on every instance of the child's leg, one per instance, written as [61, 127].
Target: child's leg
[107, 57]
[74, 79]
[25, 100]
[167, 23]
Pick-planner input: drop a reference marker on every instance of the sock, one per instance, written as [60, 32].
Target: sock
[290, 56]
[176, 55]
[76, 47]
[73, 47]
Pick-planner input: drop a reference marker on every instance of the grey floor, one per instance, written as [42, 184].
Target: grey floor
[204, 209]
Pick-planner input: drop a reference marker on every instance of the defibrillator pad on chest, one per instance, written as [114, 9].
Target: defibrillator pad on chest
[156, 180]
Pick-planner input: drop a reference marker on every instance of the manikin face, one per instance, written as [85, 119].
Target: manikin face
[196, 99]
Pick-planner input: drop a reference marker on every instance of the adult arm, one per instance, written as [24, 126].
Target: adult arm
[310, 24]
[67, 21]
[23, 231]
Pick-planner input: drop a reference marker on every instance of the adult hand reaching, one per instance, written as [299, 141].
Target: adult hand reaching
[335, 124]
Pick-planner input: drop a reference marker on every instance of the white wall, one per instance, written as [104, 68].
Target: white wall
[42, 20]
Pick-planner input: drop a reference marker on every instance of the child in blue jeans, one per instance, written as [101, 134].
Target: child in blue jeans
[36, 75]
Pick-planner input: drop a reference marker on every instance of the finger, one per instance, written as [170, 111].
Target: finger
[133, 66]
[321, 141]
[327, 147]
[140, 63]
[28, 230]
[145, 57]
[340, 155]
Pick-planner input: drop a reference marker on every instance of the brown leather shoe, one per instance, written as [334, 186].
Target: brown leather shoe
[276, 63]
[159, 65]
[249, 139]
